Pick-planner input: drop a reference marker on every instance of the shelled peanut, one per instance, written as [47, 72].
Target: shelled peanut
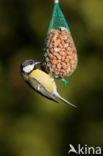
[59, 53]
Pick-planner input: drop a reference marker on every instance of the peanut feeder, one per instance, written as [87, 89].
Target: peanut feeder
[59, 52]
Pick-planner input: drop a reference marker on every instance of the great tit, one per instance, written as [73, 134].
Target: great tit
[40, 81]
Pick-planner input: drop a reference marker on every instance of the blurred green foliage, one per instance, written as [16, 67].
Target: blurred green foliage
[30, 124]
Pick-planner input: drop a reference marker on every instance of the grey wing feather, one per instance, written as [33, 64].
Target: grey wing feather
[40, 89]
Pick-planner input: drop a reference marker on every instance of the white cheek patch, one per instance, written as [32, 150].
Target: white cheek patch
[28, 68]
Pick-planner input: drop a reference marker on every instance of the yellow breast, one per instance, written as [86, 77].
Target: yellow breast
[43, 79]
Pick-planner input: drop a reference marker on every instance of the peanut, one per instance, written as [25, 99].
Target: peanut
[54, 62]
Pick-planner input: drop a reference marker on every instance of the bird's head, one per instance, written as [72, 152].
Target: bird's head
[28, 66]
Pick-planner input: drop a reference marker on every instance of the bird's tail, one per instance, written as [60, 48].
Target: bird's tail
[67, 102]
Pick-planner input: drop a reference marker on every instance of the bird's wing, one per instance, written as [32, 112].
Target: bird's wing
[35, 85]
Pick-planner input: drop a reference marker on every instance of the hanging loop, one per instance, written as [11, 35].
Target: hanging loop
[56, 1]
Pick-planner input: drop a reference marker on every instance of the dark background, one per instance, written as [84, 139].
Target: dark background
[30, 124]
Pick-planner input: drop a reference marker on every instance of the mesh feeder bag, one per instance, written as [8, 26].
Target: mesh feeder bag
[59, 51]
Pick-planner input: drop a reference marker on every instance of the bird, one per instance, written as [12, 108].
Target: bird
[40, 81]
